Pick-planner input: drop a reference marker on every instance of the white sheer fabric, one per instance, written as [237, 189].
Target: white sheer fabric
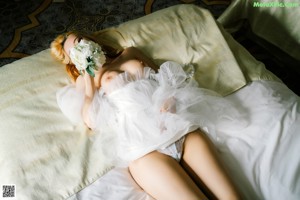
[128, 111]
[262, 159]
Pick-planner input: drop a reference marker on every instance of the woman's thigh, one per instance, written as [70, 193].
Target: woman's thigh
[163, 178]
[200, 160]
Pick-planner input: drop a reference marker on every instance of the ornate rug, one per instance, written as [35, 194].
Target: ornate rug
[28, 27]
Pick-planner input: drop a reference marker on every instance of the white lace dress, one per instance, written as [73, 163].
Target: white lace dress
[129, 113]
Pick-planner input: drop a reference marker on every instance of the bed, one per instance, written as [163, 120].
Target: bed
[45, 156]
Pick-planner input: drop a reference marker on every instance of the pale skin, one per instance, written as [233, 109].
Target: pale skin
[158, 174]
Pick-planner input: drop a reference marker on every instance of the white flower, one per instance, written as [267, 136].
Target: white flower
[87, 55]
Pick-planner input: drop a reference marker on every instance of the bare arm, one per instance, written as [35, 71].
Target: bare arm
[89, 95]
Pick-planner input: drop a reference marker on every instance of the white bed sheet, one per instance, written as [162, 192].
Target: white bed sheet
[263, 159]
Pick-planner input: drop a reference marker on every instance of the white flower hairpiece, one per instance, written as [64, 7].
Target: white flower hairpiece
[87, 55]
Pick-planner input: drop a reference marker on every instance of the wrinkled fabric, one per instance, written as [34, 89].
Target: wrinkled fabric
[130, 106]
[261, 159]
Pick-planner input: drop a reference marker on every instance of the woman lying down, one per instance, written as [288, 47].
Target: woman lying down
[156, 119]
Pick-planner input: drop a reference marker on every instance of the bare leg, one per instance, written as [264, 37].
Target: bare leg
[200, 160]
[163, 178]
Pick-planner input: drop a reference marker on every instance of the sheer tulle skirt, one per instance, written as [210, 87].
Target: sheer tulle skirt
[140, 124]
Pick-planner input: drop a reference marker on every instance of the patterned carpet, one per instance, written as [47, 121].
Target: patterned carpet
[27, 27]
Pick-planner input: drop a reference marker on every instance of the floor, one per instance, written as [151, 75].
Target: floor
[27, 27]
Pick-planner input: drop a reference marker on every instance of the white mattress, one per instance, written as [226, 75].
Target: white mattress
[262, 159]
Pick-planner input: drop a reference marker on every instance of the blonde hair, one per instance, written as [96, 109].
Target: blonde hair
[57, 50]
